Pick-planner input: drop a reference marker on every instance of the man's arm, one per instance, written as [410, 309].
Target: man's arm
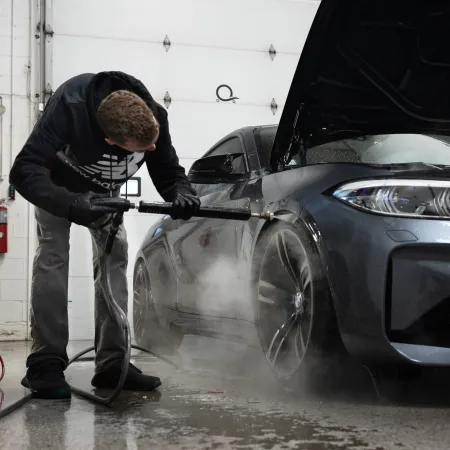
[30, 173]
[168, 176]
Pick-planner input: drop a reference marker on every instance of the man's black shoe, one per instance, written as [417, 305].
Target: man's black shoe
[135, 380]
[46, 380]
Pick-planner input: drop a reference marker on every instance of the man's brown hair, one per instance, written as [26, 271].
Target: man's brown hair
[124, 116]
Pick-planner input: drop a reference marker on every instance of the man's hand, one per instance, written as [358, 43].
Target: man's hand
[185, 205]
[84, 211]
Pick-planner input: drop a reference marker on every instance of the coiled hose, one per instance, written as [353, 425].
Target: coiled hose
[122, 322]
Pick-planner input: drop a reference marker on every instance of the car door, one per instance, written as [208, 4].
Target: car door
[208, 249]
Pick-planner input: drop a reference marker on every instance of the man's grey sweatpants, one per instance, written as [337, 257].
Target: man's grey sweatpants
[49, 292]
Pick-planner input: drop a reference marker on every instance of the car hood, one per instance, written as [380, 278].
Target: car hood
[368, 67]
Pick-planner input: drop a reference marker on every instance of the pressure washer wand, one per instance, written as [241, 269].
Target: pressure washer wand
[213, 212]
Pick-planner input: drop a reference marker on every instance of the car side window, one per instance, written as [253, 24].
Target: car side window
[265, 137]
[232, 145]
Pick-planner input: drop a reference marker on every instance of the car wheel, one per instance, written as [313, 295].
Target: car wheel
[143, 309]
[149, 333]
[294, 312]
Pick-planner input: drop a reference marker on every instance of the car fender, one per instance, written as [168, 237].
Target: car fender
[273, 207]
[291, 212]
[152, 232]
[287, 210]
[306, 220]
[155, 232]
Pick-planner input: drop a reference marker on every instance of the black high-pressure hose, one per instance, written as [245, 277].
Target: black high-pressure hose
[116, 312]
[121, 319]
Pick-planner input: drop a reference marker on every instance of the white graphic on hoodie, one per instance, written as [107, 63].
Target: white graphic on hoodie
[109, 172]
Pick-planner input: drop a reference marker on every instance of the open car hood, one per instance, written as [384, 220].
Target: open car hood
[368, 67]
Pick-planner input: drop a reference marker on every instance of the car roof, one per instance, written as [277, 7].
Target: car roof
[242, 130]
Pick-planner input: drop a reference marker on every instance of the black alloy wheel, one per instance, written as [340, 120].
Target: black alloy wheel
[143, 309]
[149, 333]
[295, 316]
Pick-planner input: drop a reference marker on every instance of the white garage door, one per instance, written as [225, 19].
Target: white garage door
[212, 42]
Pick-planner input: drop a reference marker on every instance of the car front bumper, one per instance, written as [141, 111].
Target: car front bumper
[390, 280]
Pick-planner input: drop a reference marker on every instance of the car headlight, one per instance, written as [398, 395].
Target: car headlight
[394, 197]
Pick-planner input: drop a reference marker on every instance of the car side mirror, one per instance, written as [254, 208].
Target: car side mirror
[218, 169]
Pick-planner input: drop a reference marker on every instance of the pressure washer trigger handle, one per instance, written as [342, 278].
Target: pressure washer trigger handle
[119, 205]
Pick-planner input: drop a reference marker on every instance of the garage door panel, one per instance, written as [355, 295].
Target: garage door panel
[194, 73]
[220, 23]
[92, 55]
[196, 127]
[188, 73]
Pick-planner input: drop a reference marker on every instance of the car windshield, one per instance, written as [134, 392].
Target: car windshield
[374, 149]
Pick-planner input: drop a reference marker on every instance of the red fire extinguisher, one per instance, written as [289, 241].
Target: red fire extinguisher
[3, 227]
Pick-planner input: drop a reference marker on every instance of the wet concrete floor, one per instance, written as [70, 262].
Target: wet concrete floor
[210, 405]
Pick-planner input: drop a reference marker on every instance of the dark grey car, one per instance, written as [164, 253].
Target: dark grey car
[359, 172]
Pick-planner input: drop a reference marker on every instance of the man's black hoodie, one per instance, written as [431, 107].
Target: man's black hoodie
[66, 152]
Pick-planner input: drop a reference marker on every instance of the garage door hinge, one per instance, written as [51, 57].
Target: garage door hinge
[167, 99]
[48, 90]
[167, 43]
[48, 31]
[274, 106]
[272, 52]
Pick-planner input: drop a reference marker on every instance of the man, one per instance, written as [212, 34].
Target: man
[96, 131]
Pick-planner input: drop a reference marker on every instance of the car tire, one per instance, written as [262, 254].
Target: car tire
[148, 331]
[285, 256]
[142, 303]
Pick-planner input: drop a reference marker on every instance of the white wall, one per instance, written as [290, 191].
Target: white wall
[213, 43]
[15, 124]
